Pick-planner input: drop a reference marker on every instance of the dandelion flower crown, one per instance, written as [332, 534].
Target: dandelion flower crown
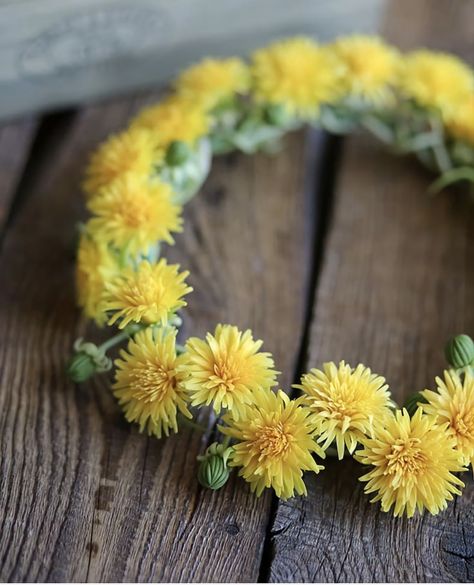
[136, 184]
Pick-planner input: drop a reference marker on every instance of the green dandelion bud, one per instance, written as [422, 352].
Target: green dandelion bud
[213, 471]
[459, 351]
[178, 153]
[81, 368]
[412, 402]
[276, 115]
[87, 360]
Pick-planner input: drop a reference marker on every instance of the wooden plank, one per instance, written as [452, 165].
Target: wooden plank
[396, 282]
[15, 142]
[83, 496]
[57, 53]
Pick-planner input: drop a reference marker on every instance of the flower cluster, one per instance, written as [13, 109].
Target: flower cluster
[136, 184]
[137, 180]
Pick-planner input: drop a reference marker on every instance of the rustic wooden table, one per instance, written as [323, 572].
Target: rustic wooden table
[340, 254]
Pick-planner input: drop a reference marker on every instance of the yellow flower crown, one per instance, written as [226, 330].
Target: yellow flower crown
[136, 184]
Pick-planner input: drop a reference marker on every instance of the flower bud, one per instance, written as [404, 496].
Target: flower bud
[81, 368]
[412, 402]
[459, 351]
[177, 154]
[213, 471]
[276, 115]
[87, 360]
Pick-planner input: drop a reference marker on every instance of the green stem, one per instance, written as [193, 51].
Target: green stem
[226, 441]
[443, 160]
[378, 129]
[192, 425]
[422, 142]
[180, 349]
[125, 334]
[452, 176]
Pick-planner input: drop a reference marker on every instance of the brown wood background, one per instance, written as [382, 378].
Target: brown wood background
[330, 250]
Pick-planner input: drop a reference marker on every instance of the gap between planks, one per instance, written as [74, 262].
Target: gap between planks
[324, 180]
[396, 282]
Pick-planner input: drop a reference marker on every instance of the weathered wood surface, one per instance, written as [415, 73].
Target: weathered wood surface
[60, 53]
[15, 142]
[84, 496]
[396, 282]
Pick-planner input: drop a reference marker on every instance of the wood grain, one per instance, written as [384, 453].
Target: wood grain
[396, 282]
[15, 142]
[83, 496]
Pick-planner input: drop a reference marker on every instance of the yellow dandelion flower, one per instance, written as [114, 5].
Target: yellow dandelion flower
[436, 80]
[132, 151]
[413, 462]
[297, 73]
[274, 444]
[453, 404]
[148, 294]
[214, 80]
[95, 266]
[227, 369]
[148, 384]
[135, 214]
[372, 67]
[460, 123]
[175, 118]
[346, 402]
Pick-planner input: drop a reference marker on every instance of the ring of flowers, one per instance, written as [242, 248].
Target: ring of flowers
[136, 184]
